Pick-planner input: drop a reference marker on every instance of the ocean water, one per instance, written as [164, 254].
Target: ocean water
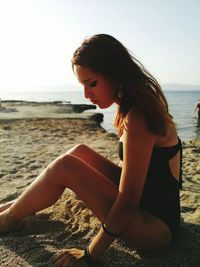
[181, 106]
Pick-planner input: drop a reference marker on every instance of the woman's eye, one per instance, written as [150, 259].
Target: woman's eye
[93, 84]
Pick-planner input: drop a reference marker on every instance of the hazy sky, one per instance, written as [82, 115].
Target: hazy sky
[38, 37]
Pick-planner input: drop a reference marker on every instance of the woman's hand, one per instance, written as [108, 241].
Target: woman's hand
[69, 258]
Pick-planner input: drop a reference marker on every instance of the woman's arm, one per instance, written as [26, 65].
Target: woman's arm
[137, 149]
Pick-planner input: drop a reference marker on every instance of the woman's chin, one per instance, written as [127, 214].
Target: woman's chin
[104, 106]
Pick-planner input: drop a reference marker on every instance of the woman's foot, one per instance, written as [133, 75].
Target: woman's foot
[8, 222]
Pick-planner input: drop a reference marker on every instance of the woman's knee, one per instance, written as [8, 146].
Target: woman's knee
[62, 168]
[78, 150]
[67, 163]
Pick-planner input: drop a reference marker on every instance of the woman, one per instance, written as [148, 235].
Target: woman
[197, 108]
[137, 201]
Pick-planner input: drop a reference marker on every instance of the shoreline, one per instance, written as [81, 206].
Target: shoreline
[20, 109]
[15, 109]
[27, 145]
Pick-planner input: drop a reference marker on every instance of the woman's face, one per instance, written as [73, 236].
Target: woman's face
[99, 90]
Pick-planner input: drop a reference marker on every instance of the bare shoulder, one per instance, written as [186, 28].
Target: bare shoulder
[136, 123]
[135, 118]
[136, 130]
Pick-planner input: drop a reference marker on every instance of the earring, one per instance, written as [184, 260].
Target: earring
[120, 92]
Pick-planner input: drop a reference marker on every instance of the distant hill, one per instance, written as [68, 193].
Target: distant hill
[180, 87]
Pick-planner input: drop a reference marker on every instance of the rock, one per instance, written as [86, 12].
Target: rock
[97, 117]
[78, 108]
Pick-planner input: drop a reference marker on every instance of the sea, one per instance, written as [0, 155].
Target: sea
[181, 106]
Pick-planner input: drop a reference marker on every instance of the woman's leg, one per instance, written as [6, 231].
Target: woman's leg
[97, 161]
[97, 191]
[37, 187]
[6, 205]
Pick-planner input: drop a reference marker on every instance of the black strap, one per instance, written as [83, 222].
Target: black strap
[88, 257]
[108, 232]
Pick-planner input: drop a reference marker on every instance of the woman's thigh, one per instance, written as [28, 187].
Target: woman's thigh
[98, 192]
[97, 161]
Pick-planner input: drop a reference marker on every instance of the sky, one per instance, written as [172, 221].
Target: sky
[38, 38]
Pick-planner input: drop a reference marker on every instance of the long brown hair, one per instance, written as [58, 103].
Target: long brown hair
[104, 54]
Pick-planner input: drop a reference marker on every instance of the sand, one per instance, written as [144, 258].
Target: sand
[28, 144]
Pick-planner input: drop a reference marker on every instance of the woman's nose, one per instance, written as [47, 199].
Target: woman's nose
[86, 92]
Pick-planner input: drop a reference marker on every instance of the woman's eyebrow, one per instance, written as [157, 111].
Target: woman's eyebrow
[87, 80]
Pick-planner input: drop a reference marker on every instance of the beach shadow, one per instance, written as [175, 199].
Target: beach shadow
[41, 238]
[184, 252]
[34, 245]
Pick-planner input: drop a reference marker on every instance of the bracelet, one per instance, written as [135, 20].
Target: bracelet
[107, 231]
[88, 257]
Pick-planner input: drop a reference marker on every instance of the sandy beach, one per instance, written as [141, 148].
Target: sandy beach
[30, 138]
